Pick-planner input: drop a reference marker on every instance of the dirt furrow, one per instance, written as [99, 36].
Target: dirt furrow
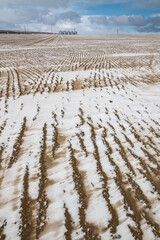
[42, 201]
[88, 228]
[113, 222]
[25, 227]
[17, 145]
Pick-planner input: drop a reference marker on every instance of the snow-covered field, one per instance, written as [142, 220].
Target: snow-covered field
[79, 137]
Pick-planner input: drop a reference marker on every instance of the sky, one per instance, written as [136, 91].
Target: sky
[86, 16]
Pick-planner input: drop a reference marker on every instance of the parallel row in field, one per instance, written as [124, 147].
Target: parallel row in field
[79, 149]
[18, 82]
[107, 151]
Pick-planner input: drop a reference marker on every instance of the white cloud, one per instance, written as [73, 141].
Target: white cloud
[119, 20]
[50, 18]
[149, 29]
[55, 4]
[36, 3]
[41, 19]
[70, 16]
[137, 20]
[137, 23]
[99, 20]
[18, 15]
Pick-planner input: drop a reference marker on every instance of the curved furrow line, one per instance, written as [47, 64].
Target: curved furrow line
[18, 82]
[113, 222]
[25, 226]
[87, 228]
[68, 224]
[145, 172]
[17, 145]
[42, 200]
[130, 204]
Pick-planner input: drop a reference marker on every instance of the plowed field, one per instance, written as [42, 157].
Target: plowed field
[79, 137]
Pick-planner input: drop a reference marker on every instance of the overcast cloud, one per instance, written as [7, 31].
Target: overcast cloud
[70, 16]
[55, 15]
[139, 22]
[57, 3]
[63, 3]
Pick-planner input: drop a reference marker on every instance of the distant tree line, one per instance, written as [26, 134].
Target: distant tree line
[21, 32]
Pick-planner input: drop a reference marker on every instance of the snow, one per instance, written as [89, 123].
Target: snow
[134, 104]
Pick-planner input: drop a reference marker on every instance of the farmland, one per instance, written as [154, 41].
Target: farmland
[79, 137]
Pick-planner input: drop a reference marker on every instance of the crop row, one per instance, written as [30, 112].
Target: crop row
[17, 145]
[87, 228]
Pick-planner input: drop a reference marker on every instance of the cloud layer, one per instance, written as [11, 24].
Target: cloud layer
[138, 22]
[40, 15]
[64, 3]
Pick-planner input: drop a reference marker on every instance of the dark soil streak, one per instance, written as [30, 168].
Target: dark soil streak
[114, 222]
[155, 226]
[55, 144]
[42, 201]
[1, 151]
[129, 203]
[68, 224]
[3, 126]
[17, 145]
[25, 228]
[88, 229]
[145, 172]
[81, 142]
[123, 154]
[2, 235]
[138, 192]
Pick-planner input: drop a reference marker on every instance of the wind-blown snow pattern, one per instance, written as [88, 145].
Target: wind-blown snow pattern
[79, 137]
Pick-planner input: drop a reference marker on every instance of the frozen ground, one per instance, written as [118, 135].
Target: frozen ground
[79, 137]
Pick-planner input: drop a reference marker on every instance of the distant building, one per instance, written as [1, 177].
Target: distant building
[74, 32]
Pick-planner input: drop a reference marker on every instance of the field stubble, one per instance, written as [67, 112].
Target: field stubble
[79, 137]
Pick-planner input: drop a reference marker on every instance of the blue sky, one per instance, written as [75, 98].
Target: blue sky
[116, 9]
[88, 17]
